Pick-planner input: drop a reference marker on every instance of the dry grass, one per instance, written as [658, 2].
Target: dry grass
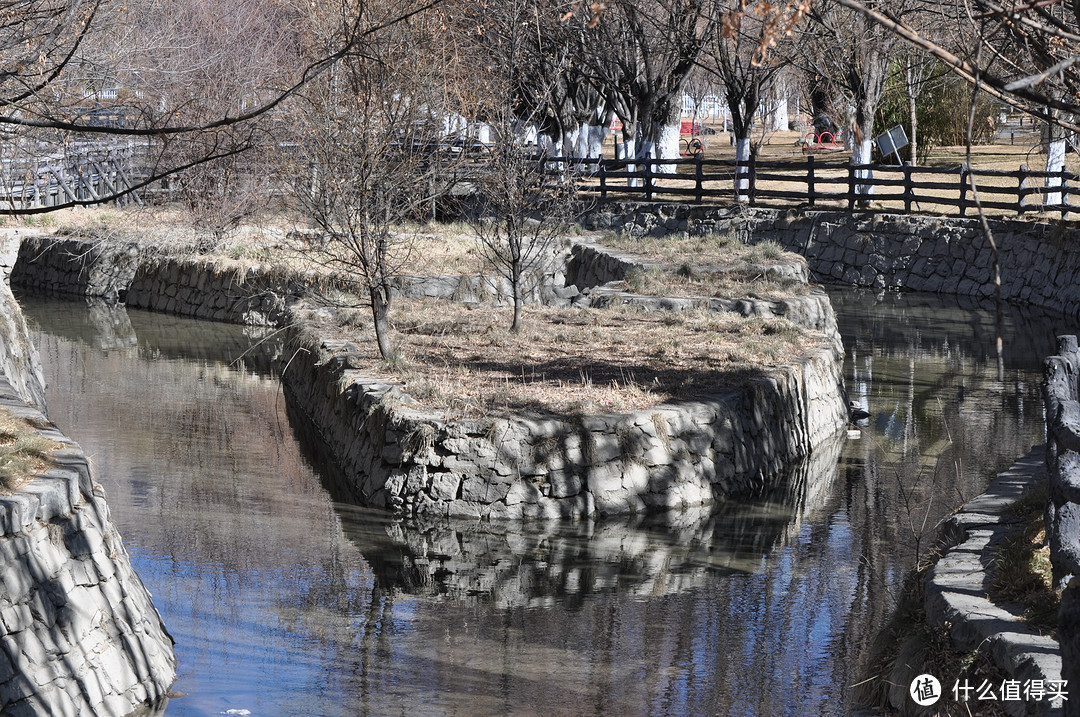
[1022, 572]
[709, 249]
[690, 281]
[569, 361]
[24, 452]
[713, 265]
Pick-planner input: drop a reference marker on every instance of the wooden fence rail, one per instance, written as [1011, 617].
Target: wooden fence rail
[940, 190]
[89, 173]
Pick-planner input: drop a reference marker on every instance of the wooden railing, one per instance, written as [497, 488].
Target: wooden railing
[810, 182]
[88, 173]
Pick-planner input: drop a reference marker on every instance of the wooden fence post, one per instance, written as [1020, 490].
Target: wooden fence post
[603, 178]
[646, 174]
[810, 178]
[1064, 193]
[698, 183]
[752, 179]
[851, 187]
[963, 188]
[1021, 190]
[909, 191]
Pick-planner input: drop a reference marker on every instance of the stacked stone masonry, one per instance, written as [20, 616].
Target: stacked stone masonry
[672, 456]
[1061, 399]
[79, 634]
[1039, 261]
[412, 462]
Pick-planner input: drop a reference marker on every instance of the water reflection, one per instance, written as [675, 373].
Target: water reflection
[284, 602]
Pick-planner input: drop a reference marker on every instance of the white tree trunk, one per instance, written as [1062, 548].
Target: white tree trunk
[780, 115]
[669, 146]
[1055, 162]
[597, 134]
[629, 152]
[862, 155]
[582, 141]
[570, 142]
[483, 133]
[742, 182]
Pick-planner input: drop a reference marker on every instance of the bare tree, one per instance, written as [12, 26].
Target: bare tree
[371, 140]
[736, 53]
[639, 53]
[521, 210]
[72, 78]
[854, 54]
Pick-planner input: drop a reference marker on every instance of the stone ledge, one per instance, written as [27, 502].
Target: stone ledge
[957, 589]
[78, 631]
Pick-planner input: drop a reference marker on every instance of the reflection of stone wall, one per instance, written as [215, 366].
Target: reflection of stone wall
[19, 362]
[658, 555]
[405, 460]
[78, 631]
[675, 455]
[1039, 260]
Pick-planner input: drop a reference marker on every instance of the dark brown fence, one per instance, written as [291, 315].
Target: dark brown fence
[810, 182]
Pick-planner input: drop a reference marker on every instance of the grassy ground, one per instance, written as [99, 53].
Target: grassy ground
[23, 451]
[565, 361]
[1022, 573]
[714, 265]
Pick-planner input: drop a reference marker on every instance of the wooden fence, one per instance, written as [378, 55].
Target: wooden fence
[811, 182]
[89, 172]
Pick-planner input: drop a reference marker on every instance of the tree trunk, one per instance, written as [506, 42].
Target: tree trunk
[597, 133]
[742, 183]
[670, 135]
[1055, 162]
[913, 115]
[515, 285]
[780, 115]
[629, 152]
[862, 155]
[380, 307]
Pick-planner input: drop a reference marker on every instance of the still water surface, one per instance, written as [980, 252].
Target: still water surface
[283, 602]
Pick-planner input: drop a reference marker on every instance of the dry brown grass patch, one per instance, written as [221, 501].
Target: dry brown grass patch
[24, 452]
[567, 361]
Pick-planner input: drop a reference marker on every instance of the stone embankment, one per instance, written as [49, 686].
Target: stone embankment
[79, 634]
[1038, 260]
[470, 562]
[1061, 398]
[410, 460]
[959, 587]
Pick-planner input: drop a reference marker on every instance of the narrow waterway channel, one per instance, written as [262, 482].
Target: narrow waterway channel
[283, 602]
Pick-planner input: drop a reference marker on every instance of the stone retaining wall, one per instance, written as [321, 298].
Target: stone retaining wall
[597, 272]
[959, 595]
[414, 462]
[411, 462]
[1061, 398]
[76, 266]
[79, 634]
[1039, 260]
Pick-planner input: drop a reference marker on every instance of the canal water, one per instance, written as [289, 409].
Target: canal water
[284, 602]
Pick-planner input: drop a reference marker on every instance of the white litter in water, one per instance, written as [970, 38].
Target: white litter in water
[236, 712]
